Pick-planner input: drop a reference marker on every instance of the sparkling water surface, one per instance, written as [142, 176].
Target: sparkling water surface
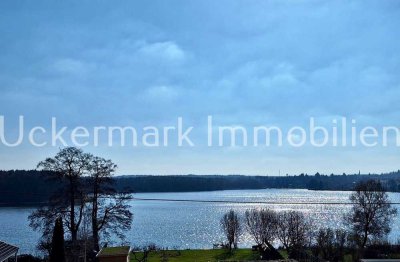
[196, 225]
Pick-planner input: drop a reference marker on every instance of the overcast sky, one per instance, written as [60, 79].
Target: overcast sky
[137, 63]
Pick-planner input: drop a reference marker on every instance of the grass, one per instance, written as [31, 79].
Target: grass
[200, 255]
[213, 255]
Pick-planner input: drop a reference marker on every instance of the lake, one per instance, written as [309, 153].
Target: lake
[196, 225]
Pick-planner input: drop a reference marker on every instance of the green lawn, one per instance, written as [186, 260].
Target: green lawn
[212, 255]
[200, 255]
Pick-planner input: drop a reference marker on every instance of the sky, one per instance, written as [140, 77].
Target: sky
[247, 63]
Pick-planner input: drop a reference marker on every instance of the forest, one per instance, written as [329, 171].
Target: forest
[33, 187]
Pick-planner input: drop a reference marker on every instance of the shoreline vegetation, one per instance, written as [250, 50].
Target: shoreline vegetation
[33, 188]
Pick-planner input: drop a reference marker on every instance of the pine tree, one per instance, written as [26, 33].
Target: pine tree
[57, 253]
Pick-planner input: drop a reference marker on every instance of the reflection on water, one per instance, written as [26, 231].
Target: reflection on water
[196, 225]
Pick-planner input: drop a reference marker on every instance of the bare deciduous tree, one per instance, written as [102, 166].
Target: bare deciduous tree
[341, 241]
[69, 165]
[293, 230]
[262, 225]
[371, 213]
[114, 216]
[331, 244]
[230, 224]
[109, 211]
[325, 242]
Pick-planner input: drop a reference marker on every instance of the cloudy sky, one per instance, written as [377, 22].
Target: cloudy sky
[137, 63]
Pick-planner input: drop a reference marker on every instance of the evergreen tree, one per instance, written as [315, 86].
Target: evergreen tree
[57, 253]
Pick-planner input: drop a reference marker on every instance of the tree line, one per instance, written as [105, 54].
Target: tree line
[367, 224]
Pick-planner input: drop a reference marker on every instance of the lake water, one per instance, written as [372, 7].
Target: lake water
[196, 225]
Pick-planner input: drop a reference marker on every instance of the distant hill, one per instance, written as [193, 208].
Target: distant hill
[30, 187]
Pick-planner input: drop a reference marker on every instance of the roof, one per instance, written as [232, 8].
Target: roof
[7, 251]
[114, 251]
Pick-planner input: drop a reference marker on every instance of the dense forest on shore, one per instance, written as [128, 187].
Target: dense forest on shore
[31, 187]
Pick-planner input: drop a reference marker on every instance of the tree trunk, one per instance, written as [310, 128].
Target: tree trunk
[74, 231]
[95, 224]
[365, 238]
[95, 229]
